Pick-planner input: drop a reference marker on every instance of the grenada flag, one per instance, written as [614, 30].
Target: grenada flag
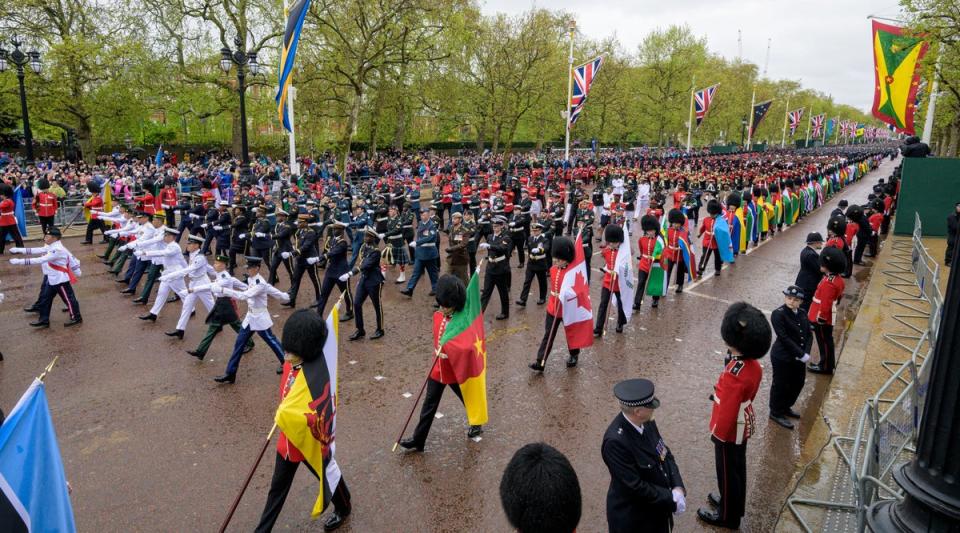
[897, 57]
[465, 345]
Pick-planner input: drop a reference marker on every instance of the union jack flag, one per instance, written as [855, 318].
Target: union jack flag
[702, 100]
[816, 124]
[794, 119]
[583, 77]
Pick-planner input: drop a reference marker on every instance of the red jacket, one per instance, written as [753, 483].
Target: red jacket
[442, 370]
[887, 203]
[609, 254]
[672, 251]
[645, 247]
[45, 204]
[706, 230]
[284, 448]
[168, 197]
[852, 229]
[876, 220]
[732, 419]
[7, 217]
[146, 203]
[95, 203]
[836, 242]
[553, 302]
[828, 292]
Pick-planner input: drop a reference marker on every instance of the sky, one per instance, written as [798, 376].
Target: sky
[823, 44]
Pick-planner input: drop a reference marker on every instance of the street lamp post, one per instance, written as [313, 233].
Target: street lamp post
[743, 130]
[243, 60]
[21, 59]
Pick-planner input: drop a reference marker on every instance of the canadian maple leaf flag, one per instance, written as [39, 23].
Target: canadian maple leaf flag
[575, 295]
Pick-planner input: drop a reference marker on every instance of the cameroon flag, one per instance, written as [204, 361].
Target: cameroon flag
[464, 343]
[308, 414]
[896, 58]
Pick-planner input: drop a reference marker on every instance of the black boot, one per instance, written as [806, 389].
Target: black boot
[572, 361]
[334, 521]
[73, 322]
[411, 445]
[713, 518]
[40, 324]
[226, 378]
[178, 333]
[357, 335]
[474, 431]
[196, 354]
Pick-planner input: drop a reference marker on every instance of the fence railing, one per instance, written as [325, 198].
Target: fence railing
[889, 421]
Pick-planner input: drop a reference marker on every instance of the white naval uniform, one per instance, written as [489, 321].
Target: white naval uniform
[170, 257]
[257, 293]
[197, 273]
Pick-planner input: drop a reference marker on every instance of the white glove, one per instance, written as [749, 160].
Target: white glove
[413, 244]
[18, 261]
[17, 250]
[483, 245]
[286, 255]
[680, 500]
[216, 290]
[259, 235]
[512, 224]
[805, 358]
[313, 260]
[344, 277]
[194, 215]
[381, 235]
[204, 225]
[242, 236]
[2, 297]
[125, 247]
[218, 228]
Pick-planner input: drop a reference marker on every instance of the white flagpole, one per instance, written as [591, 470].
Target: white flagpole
[783, 135]
[753, 102]
[823, 141]
[291, 94]
[566, 151]
[693, 90]
[932, 105]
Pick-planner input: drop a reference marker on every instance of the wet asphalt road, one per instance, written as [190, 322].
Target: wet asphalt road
[151, 443]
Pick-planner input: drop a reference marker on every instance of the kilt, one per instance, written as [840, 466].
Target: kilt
[397, 254]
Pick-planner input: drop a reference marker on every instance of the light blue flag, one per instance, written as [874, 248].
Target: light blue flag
[721, 233]
[158, 161]
[19, 211]
[33, 486]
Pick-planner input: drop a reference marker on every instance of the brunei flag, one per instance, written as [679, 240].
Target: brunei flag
[465, 345]
[896, 58]
[308, 414]
[288, 52]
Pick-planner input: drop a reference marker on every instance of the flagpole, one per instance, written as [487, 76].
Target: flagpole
[693, 89]
[823, 140]
[291, 94]
[806, 141]
[783, 135]
[236, 502]
[566, 150]
[932, 106]
[753, 102]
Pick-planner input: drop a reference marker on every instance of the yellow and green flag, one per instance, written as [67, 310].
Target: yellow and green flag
[896, 58]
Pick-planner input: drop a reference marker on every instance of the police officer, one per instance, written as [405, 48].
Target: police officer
[789, 354]
[646, 489]
[746, 333]
[810, 275]
[538, 246]
[498, 268]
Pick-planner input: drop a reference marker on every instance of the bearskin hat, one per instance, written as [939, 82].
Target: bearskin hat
[675, 216]
[746, 330]
[774, 188]
[6, 191]
[562, 249]
[837, 224]
[451, 292]
[43, 184]
[304, 334]
[733, 200]
[649, 223]
[93, 187]
[613, 233]
[877, 205]
[713, 207]
[833, 259]
[746, 197]
[855, 213]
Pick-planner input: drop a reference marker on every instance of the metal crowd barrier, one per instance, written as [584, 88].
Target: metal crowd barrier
[889, 422]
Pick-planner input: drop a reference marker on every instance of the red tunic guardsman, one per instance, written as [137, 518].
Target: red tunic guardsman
[45, 204]
[146, 203]
[828, 294]
[562, 251]
[709, 241]
[646, 247]
[613, 236]
[671, 253]
[748, 335]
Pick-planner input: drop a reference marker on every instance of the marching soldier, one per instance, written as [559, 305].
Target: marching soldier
[425, 254]
[95, 204]
[257, 319]
[168, 258]
[280, 235]
[584, 224]
[646, 488]
[539, 265]
[306, 256]
[197, 273]
[259, 237]
[370, 283]
[518, 237]
[8, 218]
[337, 265]
[224, 312]
[613, 236]
[238, 235]
[396, 243]
[789, 354]
[672, 253]
[60, 270]
[470, 225]
[498, 268]
[563, 252]
[709, 242]
[45, 204]
[457, 257]
[221, 230]
[746, 333]
[151, 268]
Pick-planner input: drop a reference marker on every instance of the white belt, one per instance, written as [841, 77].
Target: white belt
[256, 310]
[537, 256]
[428, 245]
[496, 259]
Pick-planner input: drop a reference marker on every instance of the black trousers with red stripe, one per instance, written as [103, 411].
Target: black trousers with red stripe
[48, 292]
[551, 325]
[824, 335]
[731, 461]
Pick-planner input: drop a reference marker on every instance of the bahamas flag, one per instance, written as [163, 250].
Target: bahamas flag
[288, 52]
[657, 280]
[308, 414]
[33, 486]
[465, 344]
[721, 232]
[896, 58]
